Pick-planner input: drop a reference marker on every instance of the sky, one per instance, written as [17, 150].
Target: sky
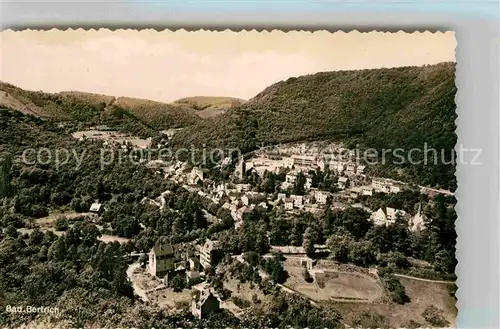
[165, 66]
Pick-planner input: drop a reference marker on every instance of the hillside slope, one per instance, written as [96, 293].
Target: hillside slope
[86, 109]
[402, 107]
[208, 107]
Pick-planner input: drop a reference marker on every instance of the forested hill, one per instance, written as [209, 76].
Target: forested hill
[402, 107]
[79, 109]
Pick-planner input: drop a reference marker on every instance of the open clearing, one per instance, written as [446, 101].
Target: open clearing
[422, 294]
[330, 284]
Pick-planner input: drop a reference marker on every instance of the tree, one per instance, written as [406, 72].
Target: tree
[5, 176]
[339, 246]
[143, 259]
[300, 181]
[305, 274]
[362, 253]
[308, 241]
[178, 283]
[355, 220]
[61, 223]
[394, 288]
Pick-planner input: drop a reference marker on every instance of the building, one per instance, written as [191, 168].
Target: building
[161, 259]
[204, 302]
[308, 183]
[342, 182]
[355, 192]
[379, 184]
[240, 188]
[350, 169]
[193, 277]
[336, 166]
[298, 201]
[366, 191]
[288, 202]
[321, 197]
[360, 170]
[392, 213]
[179, 271]
[381, 217]
[394, 189]
[210, 254]
[281, 196]
[304, 160]
[196, 176]
[290, 178]
[240, 169]
[96, 208]
[321, 164]
[417, 222]
[385, 185]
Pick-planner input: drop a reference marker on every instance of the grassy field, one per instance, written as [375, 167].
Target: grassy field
[422, 295]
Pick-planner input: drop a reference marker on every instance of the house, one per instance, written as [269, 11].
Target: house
[281, 196]
[298, 201]
[194, 264]
[417, 222]
[288, 202]
[366, 191]
[342, 182]
[210, 254]
[321, 164]
[290, 178]
[379, 184]
[240, 188]
[394, 189]
[161, 259]
[321, 197]
[355, 192]
[336, 166]
[204, 302]
[193, 277]
[350, 169]
[360, 170]
[240, 169]
[287, 162]
[196, 176]
[308, 183]
[96, 208]
[178, 271]
[381, 217]
[304, 160]
[384, 185]
[392, 213]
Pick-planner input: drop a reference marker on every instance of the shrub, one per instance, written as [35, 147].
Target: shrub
[434, 316]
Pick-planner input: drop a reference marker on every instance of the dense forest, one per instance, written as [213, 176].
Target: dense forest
[402, 107]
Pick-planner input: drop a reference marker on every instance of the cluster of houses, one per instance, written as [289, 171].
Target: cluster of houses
[189, 262]
[389, 216]
[298, 162]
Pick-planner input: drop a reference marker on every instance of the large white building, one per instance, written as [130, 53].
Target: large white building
[387, 217]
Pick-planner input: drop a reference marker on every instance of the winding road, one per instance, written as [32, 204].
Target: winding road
[137, 290]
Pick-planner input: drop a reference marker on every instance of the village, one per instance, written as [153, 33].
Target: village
[170, 266]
